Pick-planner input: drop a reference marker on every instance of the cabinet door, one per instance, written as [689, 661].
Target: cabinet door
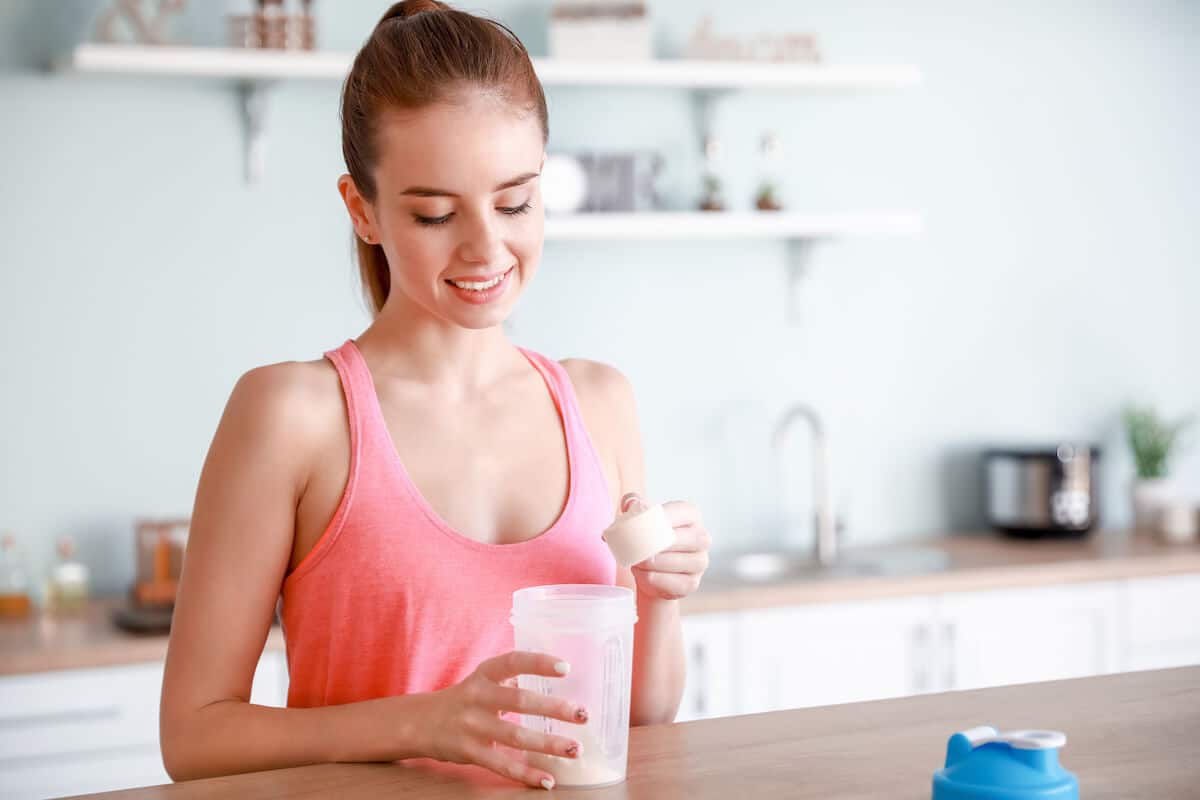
[708, 648]
[79, 710]
[93, 730]
[1026, 635]
[82, 773]
[1162, 622]
[834, 653]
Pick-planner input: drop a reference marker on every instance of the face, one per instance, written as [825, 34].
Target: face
[458, 207]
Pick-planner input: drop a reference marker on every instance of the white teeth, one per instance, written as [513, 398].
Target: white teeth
[479, 287]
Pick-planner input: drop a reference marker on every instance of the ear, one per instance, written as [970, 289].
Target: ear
[362, 215]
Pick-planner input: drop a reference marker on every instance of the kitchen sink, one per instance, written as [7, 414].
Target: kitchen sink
[782, 565]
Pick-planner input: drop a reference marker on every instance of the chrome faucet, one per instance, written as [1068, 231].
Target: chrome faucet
[826, 545]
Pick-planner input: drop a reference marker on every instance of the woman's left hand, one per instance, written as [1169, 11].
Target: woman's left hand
[676, 572]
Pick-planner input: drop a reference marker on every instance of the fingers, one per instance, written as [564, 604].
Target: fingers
[690, 540]
[671, 584]
[523, 701]
[512, 664]
[521, 738]
[673, 561]
[502, 764]
[681, 514]
[632, 500]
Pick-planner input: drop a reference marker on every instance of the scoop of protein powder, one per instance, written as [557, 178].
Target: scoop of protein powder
[639, 531]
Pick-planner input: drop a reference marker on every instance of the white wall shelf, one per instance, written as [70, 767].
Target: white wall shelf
[266, 65]
[254, 71]
[727, 225]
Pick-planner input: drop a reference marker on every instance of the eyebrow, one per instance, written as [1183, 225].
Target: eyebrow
[425, 191]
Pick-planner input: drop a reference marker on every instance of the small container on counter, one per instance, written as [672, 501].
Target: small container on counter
[14, 580]
[160, 546]
[67, 583]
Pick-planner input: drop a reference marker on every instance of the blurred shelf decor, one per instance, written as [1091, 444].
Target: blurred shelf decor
[615, 30]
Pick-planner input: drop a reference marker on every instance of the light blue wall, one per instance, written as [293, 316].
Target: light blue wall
[1051, 148]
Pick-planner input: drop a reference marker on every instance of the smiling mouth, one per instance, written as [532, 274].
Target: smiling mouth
[480, 286]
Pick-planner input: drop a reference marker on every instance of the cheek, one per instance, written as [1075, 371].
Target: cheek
[416, 258]
[529, 245]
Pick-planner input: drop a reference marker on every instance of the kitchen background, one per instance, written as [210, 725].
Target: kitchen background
[1050, 149]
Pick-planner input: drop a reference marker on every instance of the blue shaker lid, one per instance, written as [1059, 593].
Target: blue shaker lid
[984, 764]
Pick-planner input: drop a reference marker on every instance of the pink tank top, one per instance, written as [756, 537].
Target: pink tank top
[392, 600]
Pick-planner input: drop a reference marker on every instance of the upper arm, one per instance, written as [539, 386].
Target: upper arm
[610, 410]
[239, 541]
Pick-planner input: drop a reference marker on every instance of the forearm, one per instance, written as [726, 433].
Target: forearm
[233, 736]
[658, 662]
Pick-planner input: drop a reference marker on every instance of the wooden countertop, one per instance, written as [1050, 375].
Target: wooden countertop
[1129, 735]
[975, 562]
[985, 561]
[44, 642]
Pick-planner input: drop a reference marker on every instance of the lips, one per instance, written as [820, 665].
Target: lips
[481, 289]
[477, 282]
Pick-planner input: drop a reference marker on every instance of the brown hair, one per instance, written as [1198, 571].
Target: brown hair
[420, 53]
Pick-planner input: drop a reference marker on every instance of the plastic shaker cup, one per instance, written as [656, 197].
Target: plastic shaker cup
[591, 628]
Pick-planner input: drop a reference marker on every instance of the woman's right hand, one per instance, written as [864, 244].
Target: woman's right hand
[465, 725]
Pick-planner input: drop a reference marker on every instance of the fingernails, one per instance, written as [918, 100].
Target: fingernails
[547, 783]
[562, 668]
[581, 714]
[573, 750]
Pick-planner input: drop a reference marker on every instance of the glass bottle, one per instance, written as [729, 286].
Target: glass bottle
[67, 584]
[14, 580]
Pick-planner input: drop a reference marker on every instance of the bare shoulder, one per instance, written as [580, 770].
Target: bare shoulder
[296, 401]
[288, 387]
[609, 409]
[600, 386]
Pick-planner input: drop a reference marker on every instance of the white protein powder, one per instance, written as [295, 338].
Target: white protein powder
[591, 768]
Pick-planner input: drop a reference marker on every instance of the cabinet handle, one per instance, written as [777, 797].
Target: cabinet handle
[103, 714]
[702, 684]
[920, 658]
[948, 636]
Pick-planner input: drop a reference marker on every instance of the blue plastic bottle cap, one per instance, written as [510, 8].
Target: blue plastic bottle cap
[984, 764]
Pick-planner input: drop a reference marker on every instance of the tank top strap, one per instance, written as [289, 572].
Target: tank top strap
[358, 389]
[585, 459]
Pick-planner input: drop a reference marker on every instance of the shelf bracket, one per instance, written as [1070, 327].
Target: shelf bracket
[797, 265]
[253, 98]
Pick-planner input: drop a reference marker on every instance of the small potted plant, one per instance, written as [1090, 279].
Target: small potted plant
[768, 198]
[712, 200]
[1152, 440]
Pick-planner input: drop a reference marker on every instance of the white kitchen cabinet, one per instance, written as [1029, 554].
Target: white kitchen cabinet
[1026, 635]
[1160, 620]
[83, 773]
[270, 685]
[821, 654]
[93, 730]
[709, 647]
[835, 653]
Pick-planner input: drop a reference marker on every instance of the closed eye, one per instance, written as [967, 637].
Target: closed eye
[442, 220]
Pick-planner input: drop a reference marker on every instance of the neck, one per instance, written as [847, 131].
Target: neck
[407, 342]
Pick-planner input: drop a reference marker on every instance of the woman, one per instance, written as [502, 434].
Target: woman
[390, 497]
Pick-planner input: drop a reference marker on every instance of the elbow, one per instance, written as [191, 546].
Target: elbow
[176, 756]
[181, 749]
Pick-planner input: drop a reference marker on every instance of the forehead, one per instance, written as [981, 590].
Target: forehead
[470, 143]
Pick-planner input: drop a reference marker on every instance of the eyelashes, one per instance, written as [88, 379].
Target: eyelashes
[511, 211]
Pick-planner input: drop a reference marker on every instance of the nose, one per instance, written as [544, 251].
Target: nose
[481, 243]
